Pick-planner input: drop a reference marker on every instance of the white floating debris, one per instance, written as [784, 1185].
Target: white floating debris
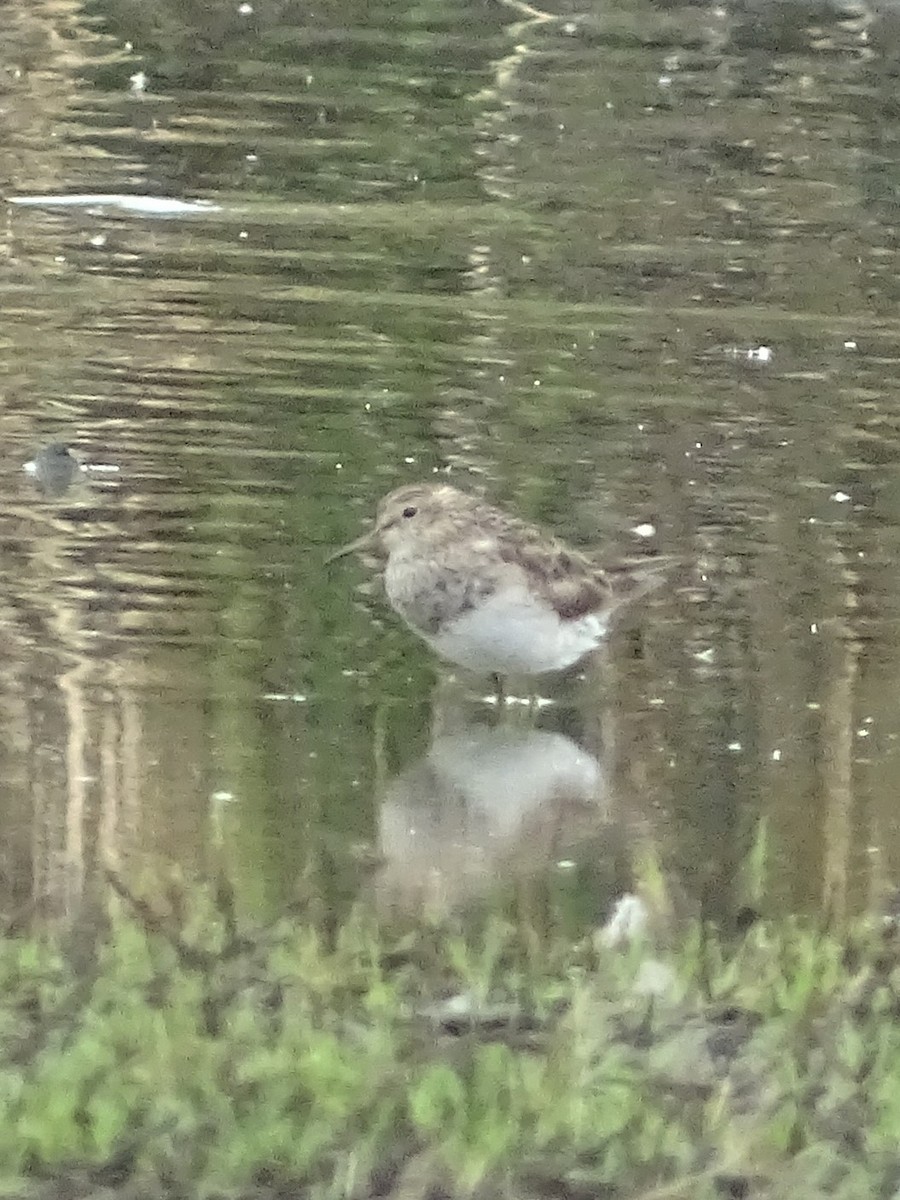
[463, 1004]
[839, 497]
[705, 656]
[757, 354]
[33, 467]
[776, 756]
[566, 864]
[655, 978]
[98, 240]
[626, 923]
[813, 706]
[814, 627]
[523, 701]
[850, 345]
[222, 797]
[863, 733]
[292, 697]
[735, 747]
[245, 9]
[138, 82]
[148, 206]
[644, 531]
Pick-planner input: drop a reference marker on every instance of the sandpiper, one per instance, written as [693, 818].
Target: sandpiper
[489, 592]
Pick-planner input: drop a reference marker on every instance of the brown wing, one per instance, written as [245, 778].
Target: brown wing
[567, 580]
[634, 578]
[570, 581]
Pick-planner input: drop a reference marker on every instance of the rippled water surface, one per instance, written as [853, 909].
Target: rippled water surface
[617, 265]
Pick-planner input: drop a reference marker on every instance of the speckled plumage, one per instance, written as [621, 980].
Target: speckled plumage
[488, 591]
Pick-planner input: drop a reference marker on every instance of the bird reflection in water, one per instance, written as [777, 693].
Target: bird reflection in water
[481, 805]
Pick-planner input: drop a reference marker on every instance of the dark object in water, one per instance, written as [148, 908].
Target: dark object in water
[54, 468]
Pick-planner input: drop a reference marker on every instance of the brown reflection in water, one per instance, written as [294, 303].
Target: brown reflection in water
[104, 743]
[806, 691]
[840, 809]
[739, 708]
[805, 694]
[106, 782]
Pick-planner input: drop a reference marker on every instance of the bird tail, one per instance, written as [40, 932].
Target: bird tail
[632, 579]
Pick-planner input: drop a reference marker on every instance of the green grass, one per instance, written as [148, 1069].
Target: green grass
[188, 1056]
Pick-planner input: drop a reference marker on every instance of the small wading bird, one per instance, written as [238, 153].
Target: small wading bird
[489, 592]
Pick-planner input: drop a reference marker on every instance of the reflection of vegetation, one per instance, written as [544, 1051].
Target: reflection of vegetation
[633, 193]
[185, 38]
[196, 1057]
[171, 24]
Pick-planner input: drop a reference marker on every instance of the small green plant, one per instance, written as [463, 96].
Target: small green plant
[197, 1056]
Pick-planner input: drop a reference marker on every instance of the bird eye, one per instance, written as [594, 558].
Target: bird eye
[410, 511]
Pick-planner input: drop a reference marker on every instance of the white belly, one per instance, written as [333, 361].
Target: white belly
[511, 634]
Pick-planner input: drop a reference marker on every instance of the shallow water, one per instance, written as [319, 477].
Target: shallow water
[611, 267]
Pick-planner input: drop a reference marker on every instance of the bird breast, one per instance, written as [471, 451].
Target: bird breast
[428, 592]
